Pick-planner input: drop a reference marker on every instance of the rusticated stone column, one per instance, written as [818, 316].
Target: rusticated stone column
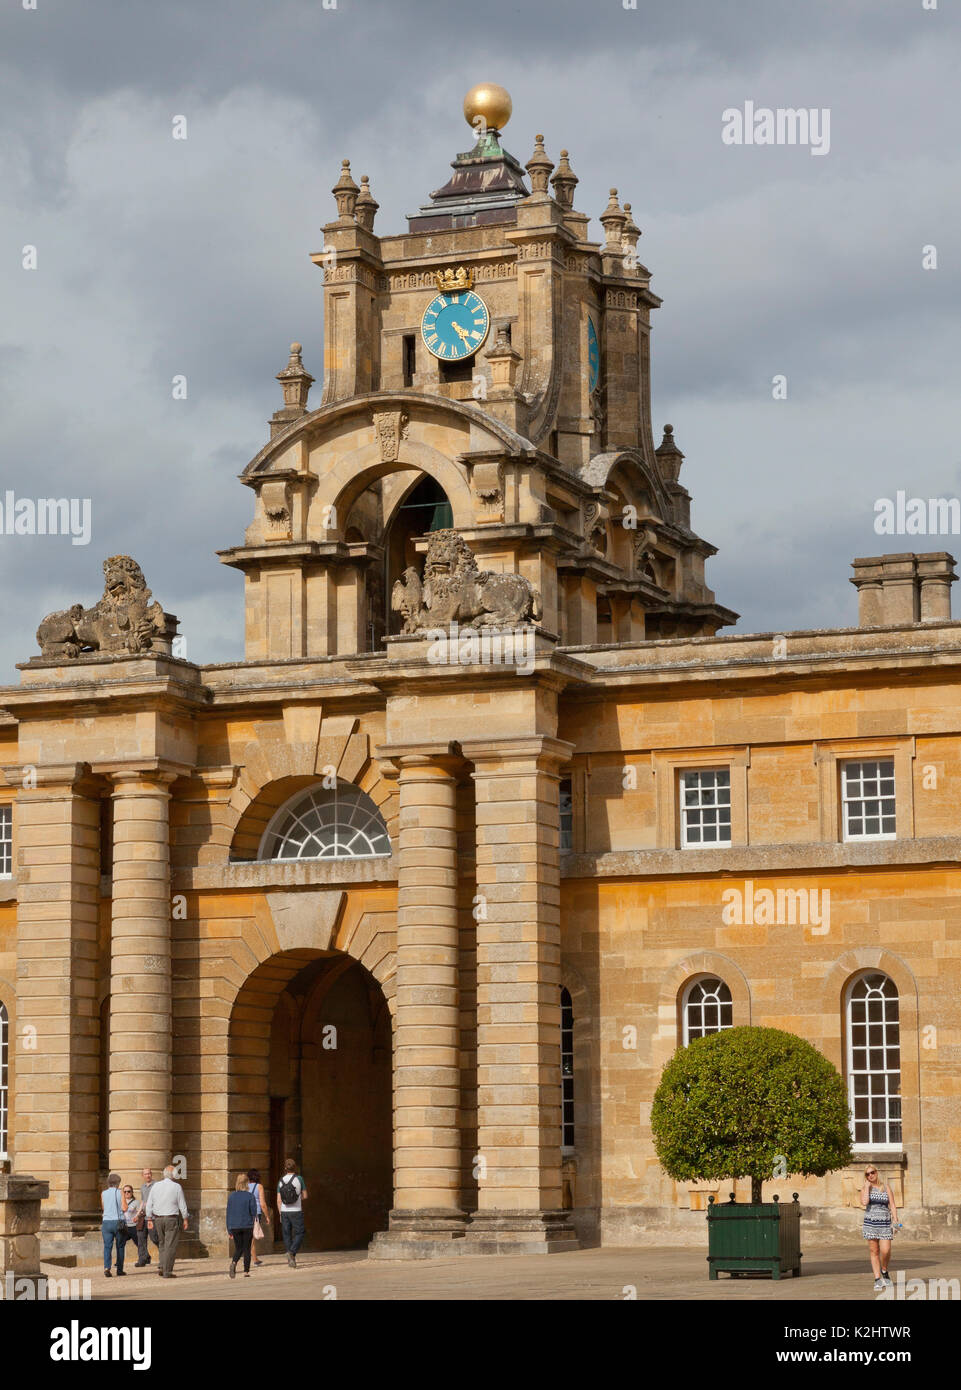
[140, 988]
[57, 1033]
[427, 1163]
[518, 996]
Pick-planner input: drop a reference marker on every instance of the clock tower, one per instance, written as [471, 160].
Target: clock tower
[486, 369]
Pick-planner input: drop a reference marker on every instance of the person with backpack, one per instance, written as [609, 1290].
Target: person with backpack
[291, 1195]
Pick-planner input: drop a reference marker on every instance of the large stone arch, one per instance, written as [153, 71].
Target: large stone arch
[241, 976]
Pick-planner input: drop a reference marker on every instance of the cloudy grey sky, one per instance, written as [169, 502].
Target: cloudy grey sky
[158, 257]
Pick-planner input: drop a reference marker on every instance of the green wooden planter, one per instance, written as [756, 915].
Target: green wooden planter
[762, 1239]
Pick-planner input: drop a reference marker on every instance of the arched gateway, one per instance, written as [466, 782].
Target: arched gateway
[309, 1077]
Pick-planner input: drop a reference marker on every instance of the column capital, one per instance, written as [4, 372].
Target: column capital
[549, 753]
[403, 759]
[161, 771]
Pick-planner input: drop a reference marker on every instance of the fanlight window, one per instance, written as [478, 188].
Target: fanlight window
[327, 823]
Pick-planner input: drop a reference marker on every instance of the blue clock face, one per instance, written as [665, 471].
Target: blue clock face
[455, 325]
[593, 355]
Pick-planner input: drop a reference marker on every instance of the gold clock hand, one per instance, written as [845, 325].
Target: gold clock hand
[461, 332]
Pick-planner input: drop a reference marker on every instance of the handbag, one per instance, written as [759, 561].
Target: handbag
[258, 1229]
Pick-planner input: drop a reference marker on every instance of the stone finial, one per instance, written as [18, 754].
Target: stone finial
[630, 235]
[669, 456]
[504, 360]
[345, 191]
[539, 168]
[564, 181]
[613, 221]
[366, 207]
[295, 381]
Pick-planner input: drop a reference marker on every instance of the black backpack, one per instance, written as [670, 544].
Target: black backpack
[288, 1191]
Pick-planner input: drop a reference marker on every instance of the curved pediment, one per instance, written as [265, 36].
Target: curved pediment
[475, 429]
[631, 472]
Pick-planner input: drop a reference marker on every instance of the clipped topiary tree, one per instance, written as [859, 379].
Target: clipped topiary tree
[745, 1101]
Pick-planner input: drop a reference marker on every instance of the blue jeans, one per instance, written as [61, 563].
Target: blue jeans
[292, 1226]
[113, 1231]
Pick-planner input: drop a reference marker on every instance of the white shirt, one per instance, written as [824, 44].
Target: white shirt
[166, 1198]
[298, 1182]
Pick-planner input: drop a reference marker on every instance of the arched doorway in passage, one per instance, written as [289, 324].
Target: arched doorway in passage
[310, 1079]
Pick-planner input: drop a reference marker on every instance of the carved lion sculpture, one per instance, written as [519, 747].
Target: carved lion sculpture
[454, 590]
[124, 620]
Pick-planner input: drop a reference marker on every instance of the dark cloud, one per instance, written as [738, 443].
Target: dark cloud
[159, 257]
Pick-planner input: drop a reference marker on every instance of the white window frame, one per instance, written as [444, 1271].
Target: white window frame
[6, 840]
[4, 1080]
[351, 795]
[695, 774]
[860, 800]
[871, 1145]
[567, 1091]
[699, 982]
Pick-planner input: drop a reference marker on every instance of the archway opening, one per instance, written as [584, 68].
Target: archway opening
[310, 1079]
[426, 508]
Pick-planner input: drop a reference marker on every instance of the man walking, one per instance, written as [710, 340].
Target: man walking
[291, 1195]
[143, 1235]
[166, 1208]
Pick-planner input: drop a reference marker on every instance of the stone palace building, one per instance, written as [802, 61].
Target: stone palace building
[495, 814]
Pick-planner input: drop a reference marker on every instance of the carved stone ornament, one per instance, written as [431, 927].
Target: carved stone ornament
[595, 526]
[124, 620]
[454, 590]
[390, 427]
[275, 497]
[487, 480]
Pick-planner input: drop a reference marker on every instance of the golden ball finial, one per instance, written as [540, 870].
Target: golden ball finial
[489, 101]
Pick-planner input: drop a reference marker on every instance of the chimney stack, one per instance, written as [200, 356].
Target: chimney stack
[895, 590]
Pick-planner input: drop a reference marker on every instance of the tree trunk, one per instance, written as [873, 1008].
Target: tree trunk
[756, 1190]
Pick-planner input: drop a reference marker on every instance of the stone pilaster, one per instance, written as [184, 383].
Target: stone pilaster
[427, 1140]
[140, 985]
[518, 996]
[57, 1034]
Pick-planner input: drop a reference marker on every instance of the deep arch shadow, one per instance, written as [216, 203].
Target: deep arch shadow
[309, 1077]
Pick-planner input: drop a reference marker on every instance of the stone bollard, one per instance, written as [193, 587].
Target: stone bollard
[20, 1198]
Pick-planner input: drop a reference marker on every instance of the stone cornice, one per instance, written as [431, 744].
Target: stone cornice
[779, 860]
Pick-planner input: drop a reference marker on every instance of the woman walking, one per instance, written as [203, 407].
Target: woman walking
[262, 1220]
[133, 1216]
[241, 1215]
[880, 1218]
[112, 1225]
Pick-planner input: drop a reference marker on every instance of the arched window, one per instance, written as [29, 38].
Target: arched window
[4, 1078]
[874, 1061]
[567, 1070]
[707, 1008]
[340, 822]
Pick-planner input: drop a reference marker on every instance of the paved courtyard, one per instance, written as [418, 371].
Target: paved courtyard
[832, 1272]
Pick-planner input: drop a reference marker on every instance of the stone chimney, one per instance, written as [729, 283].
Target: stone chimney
[895, 590]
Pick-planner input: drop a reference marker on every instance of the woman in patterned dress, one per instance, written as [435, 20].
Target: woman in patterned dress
[880, 1218]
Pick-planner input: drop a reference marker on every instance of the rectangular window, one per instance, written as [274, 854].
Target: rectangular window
[867, 799]
[4, 1079]
[6, 841]
[705, 806]
[567, 1070]
[410, 358]
[567, 814]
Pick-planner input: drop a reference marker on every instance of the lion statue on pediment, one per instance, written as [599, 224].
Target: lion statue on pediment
[124, 619]
[453, 590]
